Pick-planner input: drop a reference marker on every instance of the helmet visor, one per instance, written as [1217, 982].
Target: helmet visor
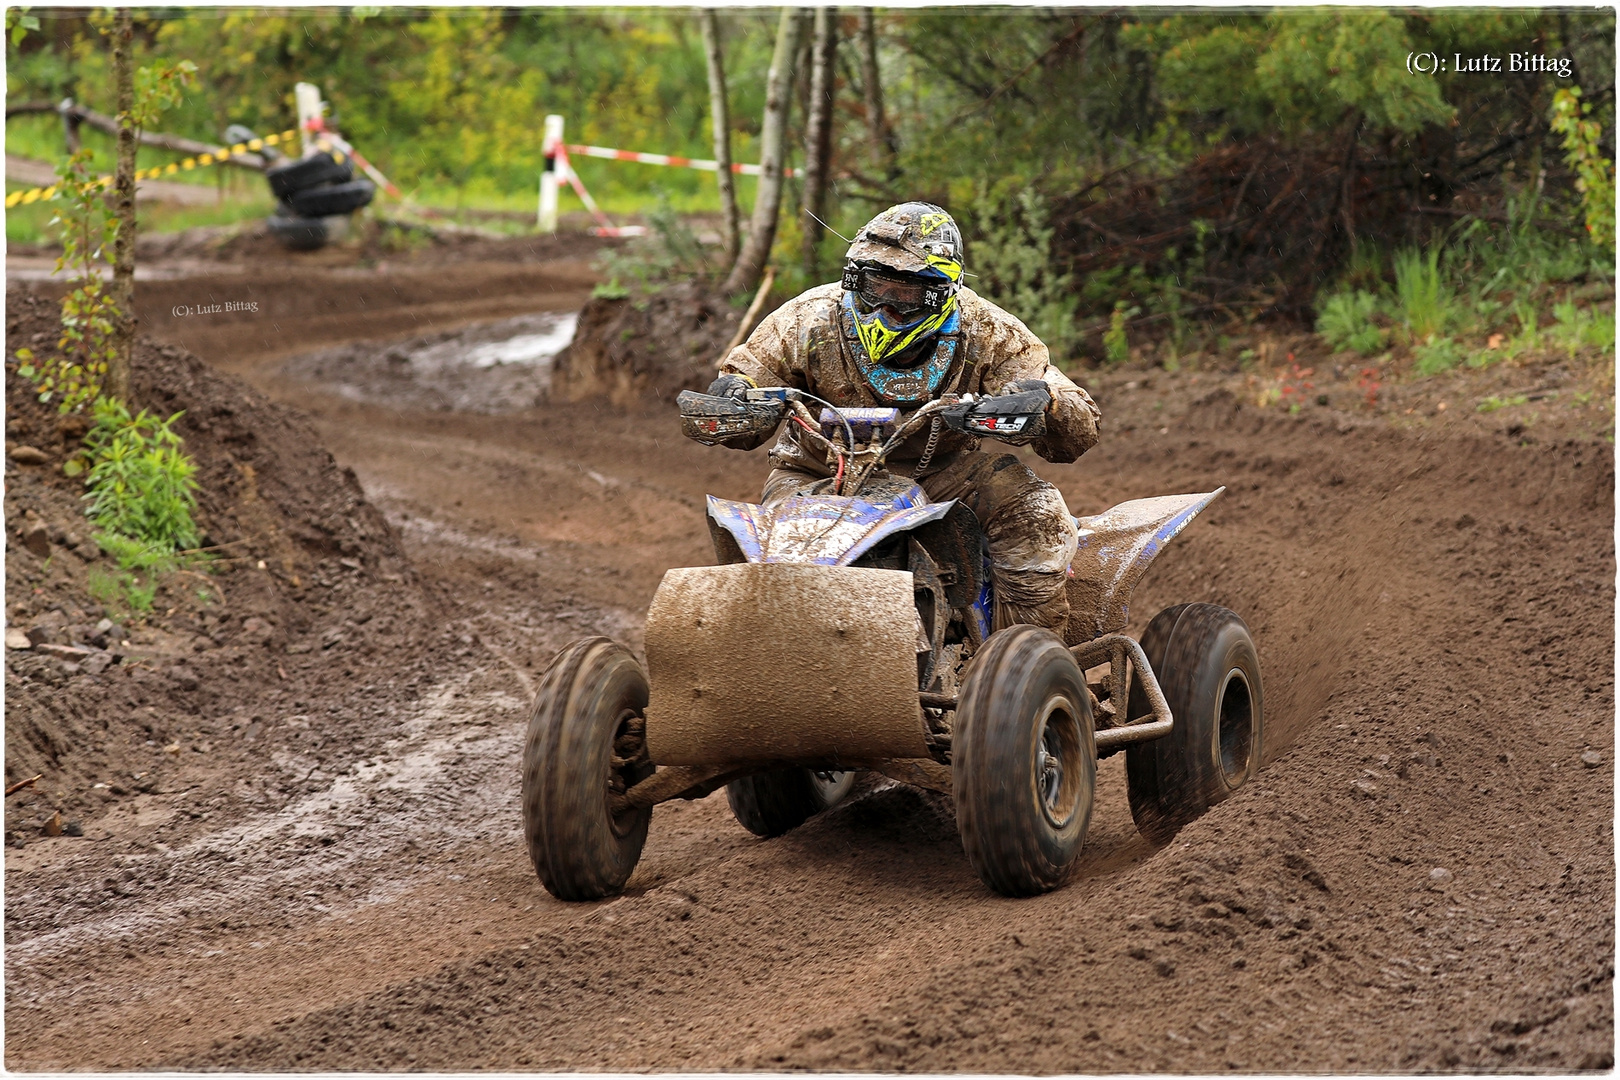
[908, 294]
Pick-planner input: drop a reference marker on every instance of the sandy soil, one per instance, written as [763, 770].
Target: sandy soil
[1422, 877]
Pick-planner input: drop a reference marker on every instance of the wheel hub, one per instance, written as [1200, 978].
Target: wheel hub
[1056, 759]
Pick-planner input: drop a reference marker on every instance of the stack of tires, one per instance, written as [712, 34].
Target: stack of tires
[317, 194]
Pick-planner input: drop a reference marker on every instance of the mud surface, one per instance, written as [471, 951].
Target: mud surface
[330, 873]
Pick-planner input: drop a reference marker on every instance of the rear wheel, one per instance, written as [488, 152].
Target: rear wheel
[771, 803]
[585, 747]
[1210, 674]
[1024, 761]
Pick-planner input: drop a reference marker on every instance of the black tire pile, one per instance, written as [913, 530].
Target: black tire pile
[313, 189]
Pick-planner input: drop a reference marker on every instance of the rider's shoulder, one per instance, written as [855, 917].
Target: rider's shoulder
[812, 305]
[981, 317]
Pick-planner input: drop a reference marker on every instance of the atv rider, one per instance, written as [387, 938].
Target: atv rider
[899, 330]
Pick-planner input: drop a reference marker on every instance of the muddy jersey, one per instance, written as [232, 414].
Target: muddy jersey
[804, 344]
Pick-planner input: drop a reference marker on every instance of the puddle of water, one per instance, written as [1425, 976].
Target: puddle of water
[528, 340]
[485, 368]
[526, 348]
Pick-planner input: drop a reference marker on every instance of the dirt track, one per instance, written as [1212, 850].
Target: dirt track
[1422, 878]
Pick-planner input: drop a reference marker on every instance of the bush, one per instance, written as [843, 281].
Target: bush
[1424, 299]
[1346, 322]
[1578, 328]
[1013, 257]
[140, 486]
[669, 252]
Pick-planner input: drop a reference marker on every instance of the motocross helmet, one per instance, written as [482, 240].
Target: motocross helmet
[901, 277]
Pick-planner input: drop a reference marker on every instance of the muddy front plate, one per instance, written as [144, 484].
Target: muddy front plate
[780, 662]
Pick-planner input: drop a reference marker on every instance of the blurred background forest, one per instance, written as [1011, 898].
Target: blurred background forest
[1121, 176]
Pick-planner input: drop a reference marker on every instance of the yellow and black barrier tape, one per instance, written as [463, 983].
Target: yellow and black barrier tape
[23, 198]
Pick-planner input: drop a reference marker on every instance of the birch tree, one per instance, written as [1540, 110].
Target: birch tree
[720, 118]
[818, 133]
[750, 265]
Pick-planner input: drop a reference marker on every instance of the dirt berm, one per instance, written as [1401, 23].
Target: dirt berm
[298, 560]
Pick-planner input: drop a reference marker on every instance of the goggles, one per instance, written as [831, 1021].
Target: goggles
[908, 294]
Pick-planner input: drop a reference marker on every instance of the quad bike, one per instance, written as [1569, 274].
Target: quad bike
[848, 627]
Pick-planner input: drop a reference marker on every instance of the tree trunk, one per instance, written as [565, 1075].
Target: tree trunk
[818, 134]
[123, 281]
[720, 115]
[883, 144]
[750, 263]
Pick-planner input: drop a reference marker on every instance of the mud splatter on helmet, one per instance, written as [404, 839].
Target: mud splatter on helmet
[901, 277]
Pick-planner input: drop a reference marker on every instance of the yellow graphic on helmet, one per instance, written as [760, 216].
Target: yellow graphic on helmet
[930, 222]
[949, 267]
[881, 343]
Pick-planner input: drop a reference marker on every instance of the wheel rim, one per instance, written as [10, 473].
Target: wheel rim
[1234, 729]
[1058, 771]
[829, 783]
[621, 777]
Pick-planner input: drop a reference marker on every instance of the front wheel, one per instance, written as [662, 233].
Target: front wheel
[1024, 761]
[1210, 674]
[585, 746]
[771, 803]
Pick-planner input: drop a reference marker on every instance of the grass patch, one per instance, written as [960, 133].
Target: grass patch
[122, 590]
[1492, 403]
[1346, 322]
[1437, 355]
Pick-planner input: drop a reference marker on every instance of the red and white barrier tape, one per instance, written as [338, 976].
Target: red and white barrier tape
[604, 227]
[666, 159]
[367, 167]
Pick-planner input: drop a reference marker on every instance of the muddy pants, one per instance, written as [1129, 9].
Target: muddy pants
[1031, 535]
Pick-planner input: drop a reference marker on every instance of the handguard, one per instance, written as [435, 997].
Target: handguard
[1014, 417]
[712, 420]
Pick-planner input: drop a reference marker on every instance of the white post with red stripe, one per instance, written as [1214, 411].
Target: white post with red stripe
[307, 98]
[550, 144]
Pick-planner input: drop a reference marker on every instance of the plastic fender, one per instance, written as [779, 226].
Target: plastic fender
[1116, 548]
[821, 530]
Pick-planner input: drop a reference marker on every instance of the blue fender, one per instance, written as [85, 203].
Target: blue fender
[823, 530]
[1116, 547]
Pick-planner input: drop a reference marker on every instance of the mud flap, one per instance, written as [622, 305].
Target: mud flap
[776, 662]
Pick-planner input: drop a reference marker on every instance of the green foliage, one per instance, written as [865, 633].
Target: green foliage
[1346, 322]
[18, 23]
[1493, 403]
[1579, 328]
[73, 375]
[1012, 257]
[1594, 172]
[158, 88]
[140, 486]
[1302, 69]
[1424, 301]
[669, 251]
[1435, 355]
[1116, 344]
[122, 589]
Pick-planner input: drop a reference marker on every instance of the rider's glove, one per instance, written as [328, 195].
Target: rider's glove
[732, 386]
[1025, 386]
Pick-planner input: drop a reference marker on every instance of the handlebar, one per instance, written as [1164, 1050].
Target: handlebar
[711, 419]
